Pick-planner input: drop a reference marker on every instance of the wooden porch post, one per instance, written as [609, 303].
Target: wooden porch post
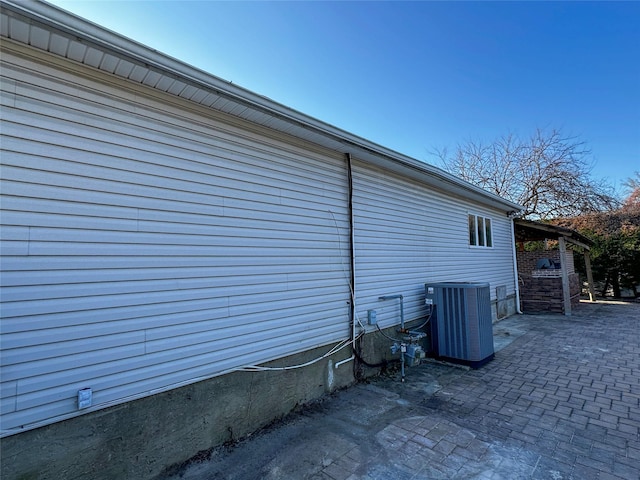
[587, 264]
[566, 292]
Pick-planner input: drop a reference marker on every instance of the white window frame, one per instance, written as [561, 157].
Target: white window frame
[480, 238]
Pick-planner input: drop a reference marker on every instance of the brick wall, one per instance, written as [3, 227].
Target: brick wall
[541, 295]
[544, 294]
[575, 288]
[527, 260]
[541, 290]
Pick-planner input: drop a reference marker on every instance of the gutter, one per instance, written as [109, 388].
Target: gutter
[81, 30]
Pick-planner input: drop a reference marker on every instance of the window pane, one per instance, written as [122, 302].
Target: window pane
[472, 230]
[480, 231]
[487, 227]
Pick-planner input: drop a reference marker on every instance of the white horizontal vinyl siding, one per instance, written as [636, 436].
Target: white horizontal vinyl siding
[407, 236]
[146, 244]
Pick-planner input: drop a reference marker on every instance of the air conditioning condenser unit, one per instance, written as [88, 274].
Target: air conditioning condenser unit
[461, 324]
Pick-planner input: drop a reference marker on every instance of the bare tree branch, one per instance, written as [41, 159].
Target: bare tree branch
[548, 173]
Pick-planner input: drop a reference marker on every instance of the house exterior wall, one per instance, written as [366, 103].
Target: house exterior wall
[147, 245]
[152, 247]
[407, 236]
[143, 438]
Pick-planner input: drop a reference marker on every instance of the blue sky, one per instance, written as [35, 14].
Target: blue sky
[418, 76]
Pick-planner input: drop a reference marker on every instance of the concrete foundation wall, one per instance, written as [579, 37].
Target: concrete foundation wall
[144, 438]
[141, 439]
[503, 308]
[375, 349]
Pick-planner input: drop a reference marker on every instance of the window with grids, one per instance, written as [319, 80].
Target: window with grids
[480, 233]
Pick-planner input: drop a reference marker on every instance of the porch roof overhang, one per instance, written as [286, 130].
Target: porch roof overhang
[48, 28]
[529, 230]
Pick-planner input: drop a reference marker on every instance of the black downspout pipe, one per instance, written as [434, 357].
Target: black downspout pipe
[352, 280]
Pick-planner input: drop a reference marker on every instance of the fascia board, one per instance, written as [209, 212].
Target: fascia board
[116, 44]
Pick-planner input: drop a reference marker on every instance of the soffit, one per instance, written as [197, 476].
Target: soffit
[58, 32]
[528, 230]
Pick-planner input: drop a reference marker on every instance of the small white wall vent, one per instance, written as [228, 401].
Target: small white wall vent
[85, 397]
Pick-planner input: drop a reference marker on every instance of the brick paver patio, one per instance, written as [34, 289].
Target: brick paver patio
[561, 401]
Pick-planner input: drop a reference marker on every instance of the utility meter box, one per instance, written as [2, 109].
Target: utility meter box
[461, 324]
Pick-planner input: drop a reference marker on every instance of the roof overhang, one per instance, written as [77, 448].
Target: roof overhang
[56, 31]
[528, 230]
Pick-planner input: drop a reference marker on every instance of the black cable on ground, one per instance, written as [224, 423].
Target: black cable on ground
[357, 352]
[383, 363]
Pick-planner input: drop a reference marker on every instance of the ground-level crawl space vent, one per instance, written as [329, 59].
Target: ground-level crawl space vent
[461, 327]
